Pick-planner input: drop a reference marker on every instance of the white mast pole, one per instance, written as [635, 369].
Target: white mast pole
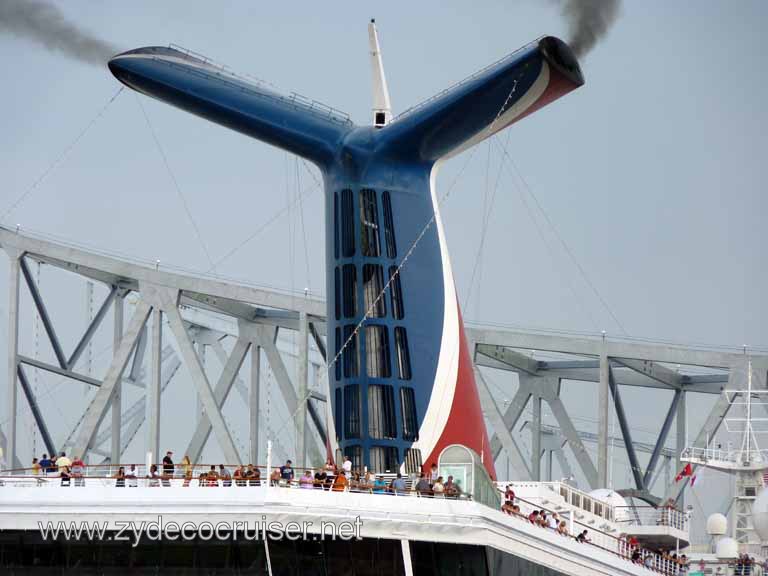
[746, 441]
[382, 109]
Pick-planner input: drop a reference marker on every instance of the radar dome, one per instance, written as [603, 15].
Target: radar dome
[717, 525]
[614, 499]
[727, 548]
[760, 514]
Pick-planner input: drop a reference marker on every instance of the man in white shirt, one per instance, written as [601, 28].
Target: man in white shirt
[347, 467]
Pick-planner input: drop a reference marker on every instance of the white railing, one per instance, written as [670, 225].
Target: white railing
[735, 457]
[469, 78]
[573, 497]
[650, 516]
[585, 505]
[660, 563]
[202, 476]
[293, 97]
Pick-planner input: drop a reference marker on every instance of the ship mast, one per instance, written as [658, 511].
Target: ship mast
[746, 464]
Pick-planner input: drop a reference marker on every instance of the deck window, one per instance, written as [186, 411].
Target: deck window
[369, 223]
[412, 461]
[389, 225]
[349, 274]
[396, 294]
[377, 351]
[351, 354]
[336, 225]
[337, 365]
[352, 411]
[336, 293]
[381, 411]
[355, 454]
[373, 286]
[384, 459]
[408, 407]
[347, 224]
[402, 355]
[338, 412]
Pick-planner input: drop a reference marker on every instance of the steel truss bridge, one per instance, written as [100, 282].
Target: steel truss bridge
[178, 317]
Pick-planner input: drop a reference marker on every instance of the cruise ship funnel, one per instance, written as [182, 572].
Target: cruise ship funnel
[401, 374]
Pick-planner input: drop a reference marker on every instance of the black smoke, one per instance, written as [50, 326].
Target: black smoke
[45, 24]
[588, 22]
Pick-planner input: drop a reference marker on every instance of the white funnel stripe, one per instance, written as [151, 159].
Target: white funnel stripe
[516, 110]
[444, 386]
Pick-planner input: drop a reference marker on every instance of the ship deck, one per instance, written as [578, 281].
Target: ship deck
[27, 502]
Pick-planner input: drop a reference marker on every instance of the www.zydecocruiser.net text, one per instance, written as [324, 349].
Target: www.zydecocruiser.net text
[156, 530]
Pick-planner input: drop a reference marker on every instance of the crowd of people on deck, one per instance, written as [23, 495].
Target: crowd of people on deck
[330, 477]
[67, 469]
[629, 547]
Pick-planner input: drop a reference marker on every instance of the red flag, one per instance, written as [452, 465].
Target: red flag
[687, 471]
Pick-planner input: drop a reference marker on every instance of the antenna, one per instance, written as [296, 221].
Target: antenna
[382, 110]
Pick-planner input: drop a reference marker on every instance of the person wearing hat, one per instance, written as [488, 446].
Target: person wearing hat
[168, 468]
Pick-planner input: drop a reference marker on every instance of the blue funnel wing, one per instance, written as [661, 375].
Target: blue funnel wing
[193, 83]
[484, 103]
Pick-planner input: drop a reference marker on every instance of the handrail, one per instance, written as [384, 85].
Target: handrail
[622, 548]
[205, 467]
[652, 516]
[197, 474]
[307, 103]
[423, 103]
[719, 455]
[201, 482]
[586, 502]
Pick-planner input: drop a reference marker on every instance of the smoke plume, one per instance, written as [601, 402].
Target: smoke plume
[588, 21]
[44, 24]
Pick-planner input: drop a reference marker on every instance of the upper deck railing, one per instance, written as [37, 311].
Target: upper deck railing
[619, 515]
[202, 476]
[717, 457]
[463, 81]
[620, 545]
[664, 517]
[245, 83]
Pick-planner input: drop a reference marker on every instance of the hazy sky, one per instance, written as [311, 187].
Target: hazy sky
[653, 173]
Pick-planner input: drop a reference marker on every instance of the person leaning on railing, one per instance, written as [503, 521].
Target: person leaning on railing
[132, 478]
[422, 486]
[379, 486]
[253, 475]
[452, 490]
[78, 469]
[438, 488]
[238, 476]
[398, 484]
[64, 475]
[226, 477]
[340, 483]
[120, 477]
[321, 477]
[153, 476]
[186, 465]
